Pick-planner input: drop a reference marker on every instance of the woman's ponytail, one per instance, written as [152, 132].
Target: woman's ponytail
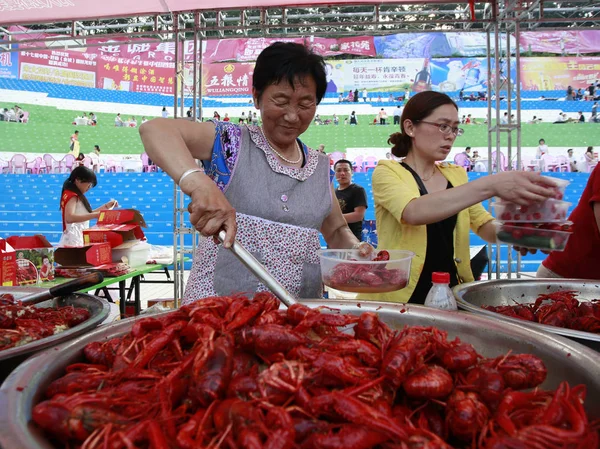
[401, 144]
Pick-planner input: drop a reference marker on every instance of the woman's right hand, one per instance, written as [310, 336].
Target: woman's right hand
[523, 187]
[210, 212]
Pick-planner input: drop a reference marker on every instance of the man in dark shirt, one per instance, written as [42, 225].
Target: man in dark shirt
[352, 197]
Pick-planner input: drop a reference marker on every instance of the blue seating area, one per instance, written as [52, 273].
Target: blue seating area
[66, 91]
[30, 205]
[88, 93]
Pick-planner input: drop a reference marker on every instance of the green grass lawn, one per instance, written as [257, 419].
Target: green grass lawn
[49, 130]
[344, 136]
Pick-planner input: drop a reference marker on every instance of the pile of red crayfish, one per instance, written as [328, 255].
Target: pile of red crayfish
[366, 277]
[560, 309]
[26, 274]
[226, 372]
[20, 324]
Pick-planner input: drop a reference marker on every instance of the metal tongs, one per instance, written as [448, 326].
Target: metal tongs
[259, 271]
[63, 289]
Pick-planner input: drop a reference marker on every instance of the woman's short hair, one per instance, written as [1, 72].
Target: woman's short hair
[288, 61]
[342, 161]
[418, 108]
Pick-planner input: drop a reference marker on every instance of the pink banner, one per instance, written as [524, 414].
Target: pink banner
[135, 75]
[360, 45]
[561, 42]
[249, 49]
[227, 79]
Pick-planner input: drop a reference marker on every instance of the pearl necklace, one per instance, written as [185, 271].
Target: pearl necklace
[280, 155]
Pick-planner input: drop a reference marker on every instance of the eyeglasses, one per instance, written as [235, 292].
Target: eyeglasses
[445, 129]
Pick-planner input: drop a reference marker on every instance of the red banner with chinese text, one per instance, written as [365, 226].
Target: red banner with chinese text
[227, 79]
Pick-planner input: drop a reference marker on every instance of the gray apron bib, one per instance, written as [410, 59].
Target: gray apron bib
[279, 213]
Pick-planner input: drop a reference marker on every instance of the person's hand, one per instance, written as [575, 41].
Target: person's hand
[522, 187]
[109, 205]
[210, 212]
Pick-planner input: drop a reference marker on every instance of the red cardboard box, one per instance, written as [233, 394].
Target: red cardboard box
[113, 234]
[121, 216]
[8, 265]
[83, 256]
[116, 227]
[38, 250]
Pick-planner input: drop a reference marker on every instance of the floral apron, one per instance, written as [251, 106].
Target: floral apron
[279, 213]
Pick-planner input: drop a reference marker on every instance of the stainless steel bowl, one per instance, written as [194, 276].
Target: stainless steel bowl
[565, 359]
[507, 292]
[98, 308]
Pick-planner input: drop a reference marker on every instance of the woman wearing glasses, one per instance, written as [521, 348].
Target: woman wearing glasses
[428, 207]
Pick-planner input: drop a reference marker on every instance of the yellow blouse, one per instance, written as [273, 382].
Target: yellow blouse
[393, 188]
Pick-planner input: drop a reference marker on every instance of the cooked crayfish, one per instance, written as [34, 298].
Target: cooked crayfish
[561, 309]
[21, 324]
[231, 373]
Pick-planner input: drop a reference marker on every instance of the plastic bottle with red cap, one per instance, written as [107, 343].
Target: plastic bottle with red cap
[440, 296]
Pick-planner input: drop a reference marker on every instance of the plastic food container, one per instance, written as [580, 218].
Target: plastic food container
[550, 211]
[544, 237]
[344, 270]
[134, 254]
[561, 185]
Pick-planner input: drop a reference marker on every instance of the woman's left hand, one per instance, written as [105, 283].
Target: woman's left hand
[110, 205]
[524, 251]
[364, 249]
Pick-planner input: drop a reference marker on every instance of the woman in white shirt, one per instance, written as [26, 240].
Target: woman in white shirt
[542, 149]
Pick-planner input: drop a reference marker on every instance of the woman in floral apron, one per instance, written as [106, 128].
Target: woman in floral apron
[261, 185]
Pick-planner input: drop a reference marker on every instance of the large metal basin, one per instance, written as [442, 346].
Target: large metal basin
[508, 292]
[98, 308]
[565, 359]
